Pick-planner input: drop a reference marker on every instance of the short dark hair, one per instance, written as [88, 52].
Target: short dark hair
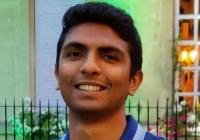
[104, 13]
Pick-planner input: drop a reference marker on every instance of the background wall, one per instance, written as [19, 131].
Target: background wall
[14, 49]
[153, 18]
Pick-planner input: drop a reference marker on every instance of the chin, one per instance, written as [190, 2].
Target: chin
[91, 114]
[87, 109]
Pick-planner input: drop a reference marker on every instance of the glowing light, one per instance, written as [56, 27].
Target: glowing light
[187, 56]
[193, 55]
[184, 55]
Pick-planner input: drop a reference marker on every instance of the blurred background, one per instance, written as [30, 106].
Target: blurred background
[170, 33]
[29, 34]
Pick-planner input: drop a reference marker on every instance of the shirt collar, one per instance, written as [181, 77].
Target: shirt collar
[128, 133]
[130, 129]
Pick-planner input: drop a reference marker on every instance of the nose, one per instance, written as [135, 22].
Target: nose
[90, 65]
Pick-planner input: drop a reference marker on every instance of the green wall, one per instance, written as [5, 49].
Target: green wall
[153, 18]
[14, 49]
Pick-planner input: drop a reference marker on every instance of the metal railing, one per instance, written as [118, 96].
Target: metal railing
[28, 122]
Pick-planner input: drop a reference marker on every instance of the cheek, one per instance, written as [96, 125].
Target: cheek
[65, 81]
[68, 69]
[120, 78]
[66, 75]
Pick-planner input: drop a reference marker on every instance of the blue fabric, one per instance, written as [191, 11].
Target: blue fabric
[131, 128]
[129, 131]
[150, 136]
[67, 136]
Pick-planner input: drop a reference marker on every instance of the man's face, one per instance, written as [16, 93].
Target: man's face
[94, 69]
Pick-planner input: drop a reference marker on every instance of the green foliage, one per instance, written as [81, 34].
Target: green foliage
[31, 122]
[181, 122]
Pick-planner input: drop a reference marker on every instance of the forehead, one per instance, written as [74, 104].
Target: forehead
[93, 34]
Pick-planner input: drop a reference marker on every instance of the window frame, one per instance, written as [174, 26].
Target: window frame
[195, 16]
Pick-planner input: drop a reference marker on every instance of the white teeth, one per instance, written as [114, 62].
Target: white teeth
[89, 87]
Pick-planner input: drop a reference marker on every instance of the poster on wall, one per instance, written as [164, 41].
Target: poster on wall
[48, 17]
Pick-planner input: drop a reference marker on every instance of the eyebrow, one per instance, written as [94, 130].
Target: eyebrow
[102, 49]
[111, 49]
[74, 44]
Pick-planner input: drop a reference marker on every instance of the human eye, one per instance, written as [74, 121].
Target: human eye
[74, 54]
[111, 58]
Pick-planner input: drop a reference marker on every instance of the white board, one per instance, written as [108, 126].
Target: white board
[48, 17]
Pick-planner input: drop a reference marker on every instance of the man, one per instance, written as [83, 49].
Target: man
[98, 64]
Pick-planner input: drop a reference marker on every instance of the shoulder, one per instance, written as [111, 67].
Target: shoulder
[138, 132]
[149, 136]
[63, 137]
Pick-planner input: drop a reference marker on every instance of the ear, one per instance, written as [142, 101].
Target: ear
[56, 73]
[135, 82]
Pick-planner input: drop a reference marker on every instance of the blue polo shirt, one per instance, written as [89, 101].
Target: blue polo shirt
[133, 131]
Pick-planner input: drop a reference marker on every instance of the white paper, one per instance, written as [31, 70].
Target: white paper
[48, 19]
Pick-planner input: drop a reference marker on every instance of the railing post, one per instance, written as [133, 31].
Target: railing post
[139, 111]
[129, 106]
[6, 127]
[14, 114]
[148, 115]
[48, 121]
[31, 119]
[185, 122]
[176, 119]
[23, 131]
[157, 117]
[40, 121]
[166, 131]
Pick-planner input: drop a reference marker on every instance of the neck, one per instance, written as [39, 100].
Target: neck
[93, 127]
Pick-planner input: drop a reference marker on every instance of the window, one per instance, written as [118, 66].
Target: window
[187, 33]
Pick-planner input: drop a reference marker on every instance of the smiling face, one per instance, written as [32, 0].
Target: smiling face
[94, 70]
